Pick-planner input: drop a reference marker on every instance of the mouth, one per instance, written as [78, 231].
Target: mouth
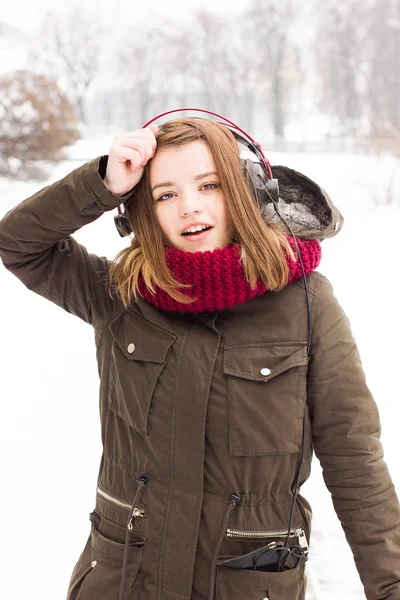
[197, 235]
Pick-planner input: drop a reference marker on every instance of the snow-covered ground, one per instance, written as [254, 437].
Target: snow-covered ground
[49, 423]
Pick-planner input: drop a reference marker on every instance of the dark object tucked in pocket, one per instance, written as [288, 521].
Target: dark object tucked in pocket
[273, 558]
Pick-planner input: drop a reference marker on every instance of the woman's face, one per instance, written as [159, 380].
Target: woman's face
[186, 193]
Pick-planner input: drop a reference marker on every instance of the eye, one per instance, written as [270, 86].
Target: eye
[206, 185]
[163, 197]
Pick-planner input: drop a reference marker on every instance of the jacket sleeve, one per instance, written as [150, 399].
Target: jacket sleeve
[37, 247]
[346, 435]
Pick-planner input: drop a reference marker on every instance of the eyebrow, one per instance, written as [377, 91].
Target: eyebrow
[168, 183]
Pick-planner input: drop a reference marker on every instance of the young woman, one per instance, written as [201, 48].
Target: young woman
[214, 390]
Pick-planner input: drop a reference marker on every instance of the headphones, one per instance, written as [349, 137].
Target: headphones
[258, 173]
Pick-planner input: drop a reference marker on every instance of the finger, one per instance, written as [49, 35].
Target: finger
[150, 132]
[149, 135]
[145, 147]
[150, 149]
[147, 150]
[154, 130]
[135, 144]
[125, 154]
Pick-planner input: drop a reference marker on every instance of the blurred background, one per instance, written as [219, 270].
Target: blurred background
[318, 85]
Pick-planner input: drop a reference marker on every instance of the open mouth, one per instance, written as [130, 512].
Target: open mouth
[196, 233]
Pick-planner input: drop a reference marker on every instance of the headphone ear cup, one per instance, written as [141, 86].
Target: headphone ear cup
[122, 225]
[256, 181]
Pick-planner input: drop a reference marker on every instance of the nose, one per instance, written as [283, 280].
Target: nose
[190, 203]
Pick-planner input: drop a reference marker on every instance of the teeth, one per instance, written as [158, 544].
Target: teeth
[195, 228]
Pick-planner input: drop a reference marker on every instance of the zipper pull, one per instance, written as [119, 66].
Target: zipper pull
[302, 540]
[137, 512]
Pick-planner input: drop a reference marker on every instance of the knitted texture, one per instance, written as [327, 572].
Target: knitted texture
[217, 277]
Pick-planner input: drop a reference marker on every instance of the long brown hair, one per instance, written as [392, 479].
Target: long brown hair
[262, 246]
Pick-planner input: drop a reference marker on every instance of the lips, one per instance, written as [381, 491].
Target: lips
[196, 233]
[194, 225]
[201, 235]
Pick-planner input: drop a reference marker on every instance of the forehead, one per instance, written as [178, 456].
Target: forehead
[181, 162]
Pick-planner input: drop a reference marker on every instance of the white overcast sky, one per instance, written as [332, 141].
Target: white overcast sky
[27, 15]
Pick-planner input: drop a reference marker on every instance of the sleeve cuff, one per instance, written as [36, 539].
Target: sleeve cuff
[94, 173]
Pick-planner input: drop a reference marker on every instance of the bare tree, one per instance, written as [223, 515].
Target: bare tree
[142, 70]
[342, 64]
[211, 67]
[212, 61]
[69, 46]
[358, 49]
[169, 64]
[383, 52]
[269, 25]
[183, 56]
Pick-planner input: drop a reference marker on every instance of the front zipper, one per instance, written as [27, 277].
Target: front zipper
[243, 533]
[137, 512]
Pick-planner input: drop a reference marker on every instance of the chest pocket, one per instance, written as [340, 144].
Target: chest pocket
[138, 356]
[266, 386]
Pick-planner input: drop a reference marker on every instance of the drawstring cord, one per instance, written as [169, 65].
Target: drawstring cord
[235, 499]
[142, 481]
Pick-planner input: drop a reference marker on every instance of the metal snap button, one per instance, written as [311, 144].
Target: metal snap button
[93, 563]
[131, 348]
[265, 371]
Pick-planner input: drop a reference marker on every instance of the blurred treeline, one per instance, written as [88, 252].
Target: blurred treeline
[323, 73]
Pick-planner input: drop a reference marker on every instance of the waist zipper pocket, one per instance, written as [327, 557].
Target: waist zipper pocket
[247, 534]
[137, 512]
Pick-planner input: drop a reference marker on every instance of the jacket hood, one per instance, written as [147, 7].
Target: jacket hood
[305, 205]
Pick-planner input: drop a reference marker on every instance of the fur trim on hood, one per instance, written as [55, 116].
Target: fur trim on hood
[305, 205]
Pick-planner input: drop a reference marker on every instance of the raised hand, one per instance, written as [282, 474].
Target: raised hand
[127, 158]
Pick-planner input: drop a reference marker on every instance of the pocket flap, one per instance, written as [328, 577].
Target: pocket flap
[262, 362]
[140, 340]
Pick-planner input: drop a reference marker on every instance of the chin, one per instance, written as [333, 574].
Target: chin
[201, 246]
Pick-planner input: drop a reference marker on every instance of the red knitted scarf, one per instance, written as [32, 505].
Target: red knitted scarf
[217, 277]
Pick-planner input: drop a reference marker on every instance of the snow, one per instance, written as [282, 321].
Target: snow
[49, 423]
